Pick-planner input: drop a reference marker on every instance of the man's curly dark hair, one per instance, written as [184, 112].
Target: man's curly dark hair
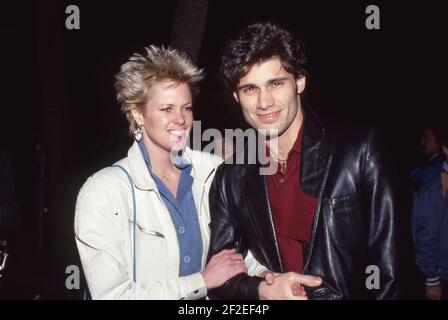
[259, 42]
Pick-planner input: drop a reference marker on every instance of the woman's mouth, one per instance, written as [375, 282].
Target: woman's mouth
[177, 135]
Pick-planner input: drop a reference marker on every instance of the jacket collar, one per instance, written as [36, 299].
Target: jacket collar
[138, 169]
[202, 168]
[316, 150]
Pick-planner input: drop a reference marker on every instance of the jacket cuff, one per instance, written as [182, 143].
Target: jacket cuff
[445, 166]
[195, 287]
[433, 282]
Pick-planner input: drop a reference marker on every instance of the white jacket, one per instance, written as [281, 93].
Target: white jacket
[104, 232]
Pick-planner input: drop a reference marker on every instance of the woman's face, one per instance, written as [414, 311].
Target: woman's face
[167, 117]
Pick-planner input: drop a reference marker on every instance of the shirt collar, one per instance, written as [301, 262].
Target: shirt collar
[178, 159]
[297, 147]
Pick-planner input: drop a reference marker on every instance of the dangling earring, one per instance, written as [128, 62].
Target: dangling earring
[138, 134]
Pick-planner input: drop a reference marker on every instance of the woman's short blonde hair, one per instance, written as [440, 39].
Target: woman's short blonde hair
[141, 72]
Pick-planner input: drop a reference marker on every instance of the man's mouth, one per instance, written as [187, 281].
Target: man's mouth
[269, 117]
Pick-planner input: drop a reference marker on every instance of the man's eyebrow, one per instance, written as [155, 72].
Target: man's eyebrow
[270, 81]
[244, 86]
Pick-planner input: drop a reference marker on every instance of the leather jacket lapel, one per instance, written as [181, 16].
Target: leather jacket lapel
[254, 192]
[316, 149]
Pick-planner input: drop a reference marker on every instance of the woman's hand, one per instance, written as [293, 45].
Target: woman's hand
[223, 266]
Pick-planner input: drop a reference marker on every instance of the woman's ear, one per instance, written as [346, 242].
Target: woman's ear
[137, 115]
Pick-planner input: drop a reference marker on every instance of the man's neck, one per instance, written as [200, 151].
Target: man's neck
[286, 141]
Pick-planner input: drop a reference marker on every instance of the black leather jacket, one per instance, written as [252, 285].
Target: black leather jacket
[354, 225]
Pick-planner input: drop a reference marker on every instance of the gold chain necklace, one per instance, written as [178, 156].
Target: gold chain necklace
[167, 178]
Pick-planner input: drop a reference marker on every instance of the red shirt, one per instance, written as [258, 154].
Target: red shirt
[292, 210]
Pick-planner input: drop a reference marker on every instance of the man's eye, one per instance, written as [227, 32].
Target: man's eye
[249, 90]
[277, 83]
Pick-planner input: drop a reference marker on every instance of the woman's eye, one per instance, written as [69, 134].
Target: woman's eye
[189, 109]
[167, 109]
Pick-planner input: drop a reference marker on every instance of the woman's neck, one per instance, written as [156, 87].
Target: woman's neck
[160, 158]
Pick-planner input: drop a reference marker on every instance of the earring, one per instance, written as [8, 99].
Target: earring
[138, 134]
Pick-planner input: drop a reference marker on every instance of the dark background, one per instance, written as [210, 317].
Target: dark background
[60, 121]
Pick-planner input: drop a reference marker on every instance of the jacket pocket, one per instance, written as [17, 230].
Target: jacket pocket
[342, 221]
[150, 231]
[146, 230]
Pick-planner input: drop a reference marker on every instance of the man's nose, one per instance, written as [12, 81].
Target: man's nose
[265, 99]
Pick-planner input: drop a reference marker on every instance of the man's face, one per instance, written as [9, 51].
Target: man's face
[428, 144]
[268, 95]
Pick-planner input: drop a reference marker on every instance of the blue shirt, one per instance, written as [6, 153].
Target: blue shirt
[427, 173]
[183, 213]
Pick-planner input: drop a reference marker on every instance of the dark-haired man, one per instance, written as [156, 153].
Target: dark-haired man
[329, 210]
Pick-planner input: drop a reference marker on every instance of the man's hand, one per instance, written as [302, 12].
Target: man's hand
[223, 266]
[445, 183]
[434, 293]
[269, 276]
[286, 286]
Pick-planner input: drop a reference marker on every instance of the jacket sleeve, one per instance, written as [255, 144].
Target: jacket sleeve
[225, 234]
[428, 212]
[103, 248]
[380, 186]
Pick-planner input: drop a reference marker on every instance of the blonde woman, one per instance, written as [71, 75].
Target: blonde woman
[142, 225]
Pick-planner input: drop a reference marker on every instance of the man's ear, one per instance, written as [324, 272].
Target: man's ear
[138, 117]
[235, 95]
[301, 83]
